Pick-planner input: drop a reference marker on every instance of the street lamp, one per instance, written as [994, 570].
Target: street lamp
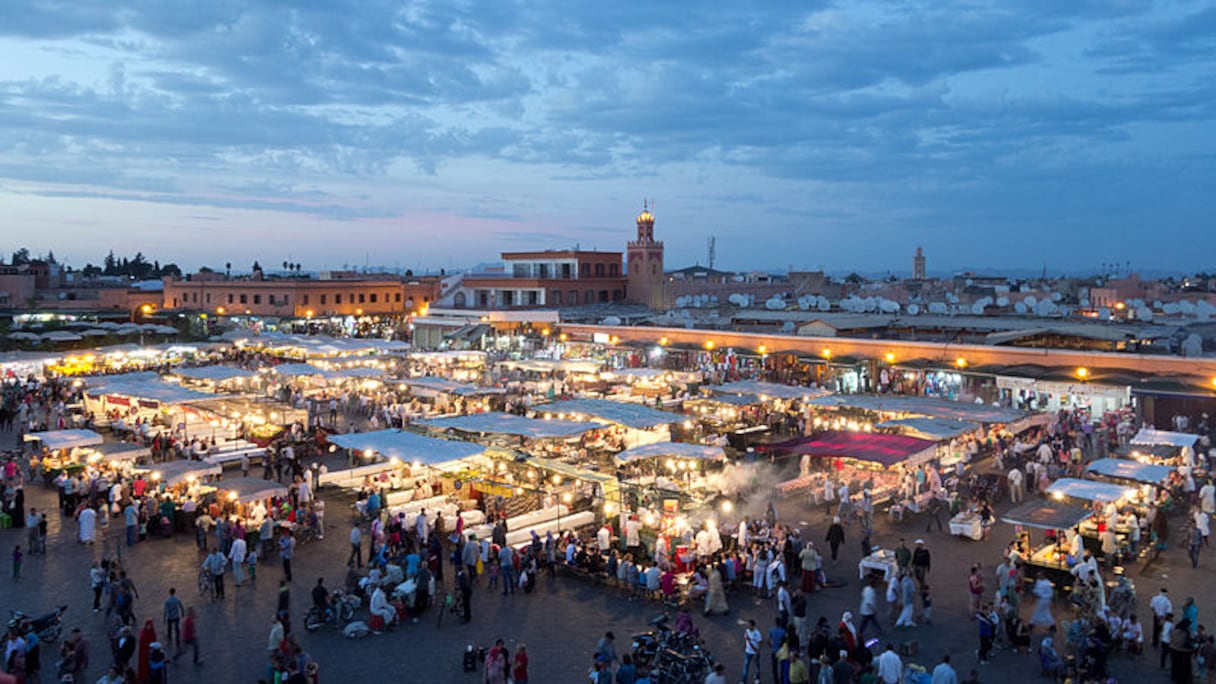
[960, 362]
[890, 357]
[826, 353]
[1082, 373]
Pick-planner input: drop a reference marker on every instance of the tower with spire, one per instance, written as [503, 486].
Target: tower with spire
[644, 263]
[918, 265]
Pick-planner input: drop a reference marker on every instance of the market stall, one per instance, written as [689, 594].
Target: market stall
[1182, 442]
[865, 460]
[54, 440]
[1052, 556]
[1120, 469]
[184, 471]
[1107, 500]
[634, 424]
[394, 452]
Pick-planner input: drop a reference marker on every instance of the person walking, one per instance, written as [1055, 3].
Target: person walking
[944, 673]
[356, 545]
[935, 514]
[464, 584]
[751, 650]
[922, 561]
[1017, 489]
[889, 665]
[987, 620]
[237, 554]
[868, 609]
[189, 637]
[173, 617]
[835, 537]
[215, 563]
[287, 548]
[97, 582]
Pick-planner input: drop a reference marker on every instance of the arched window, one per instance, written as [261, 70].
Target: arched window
[599, 270]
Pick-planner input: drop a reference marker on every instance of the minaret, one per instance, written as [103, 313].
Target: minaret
[644, 264]
[918, 265]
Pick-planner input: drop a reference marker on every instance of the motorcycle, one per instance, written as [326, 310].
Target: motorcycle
[341, 610]
[48, 626]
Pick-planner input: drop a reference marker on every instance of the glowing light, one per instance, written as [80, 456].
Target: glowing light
[358, 312]
[146, 308]
[562, 337]
[545, 332]
[308, 313]
[369, 453]
[663, 341]
[728, 506]
[762, 349]
[826, 353]
[155, 475]
[890, 357]
[960, 362]
[567, 498]
[557, 479]
[232, 496]
[219, 310]
[688, 425]
[1058, 496]
[1082, 373]
[1120, 306]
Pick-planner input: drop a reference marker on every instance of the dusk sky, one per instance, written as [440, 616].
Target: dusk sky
[1002, 135]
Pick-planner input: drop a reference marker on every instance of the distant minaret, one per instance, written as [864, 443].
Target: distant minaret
[918, 265]
[645, 264]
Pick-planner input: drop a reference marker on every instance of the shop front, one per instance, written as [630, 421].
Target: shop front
[1044, 395]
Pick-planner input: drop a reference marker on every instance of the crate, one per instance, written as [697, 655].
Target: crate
[909, 648]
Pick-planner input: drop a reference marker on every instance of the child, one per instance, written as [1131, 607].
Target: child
[252, 560]
[926, 602]
[17, 562]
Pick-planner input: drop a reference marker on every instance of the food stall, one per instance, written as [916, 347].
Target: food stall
[1182, 443]
[62, 450]
[217, 377]
[864, 460]
[173, 473]
[392, 456]
[634, 424]
[1052, 556]
[553, 437]
[673, 469]
[1105, 499]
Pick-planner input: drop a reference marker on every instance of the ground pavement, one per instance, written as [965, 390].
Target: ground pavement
[560, 622]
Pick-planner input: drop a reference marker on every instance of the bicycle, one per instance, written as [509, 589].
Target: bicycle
[206, 585]
[452, 603]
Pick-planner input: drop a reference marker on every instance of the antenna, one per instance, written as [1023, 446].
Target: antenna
[711, 250]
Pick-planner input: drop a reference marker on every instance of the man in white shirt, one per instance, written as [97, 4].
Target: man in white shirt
[1161, 606]
[1015, 485]
[751, 649]
[890, 667]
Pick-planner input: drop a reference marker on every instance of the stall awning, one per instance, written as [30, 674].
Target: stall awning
[768, 389]
[1129, 470]
[251, 489]
[213, 373]
[1151, 437]
[174, 472]
[569, 471]
[922, 406]
[116, 452]
[445, 386]
[863, 446]
[65, 439]
[631, 415]
[638, 373]
[1086, 489]
[407, 446]
[147, 386]
[1047, 515]
[510, 424]
[732, 399]
[931, 428]
[673, 450]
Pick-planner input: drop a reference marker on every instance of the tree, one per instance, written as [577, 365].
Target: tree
[110, 264]
[91, 271]
[170, 270]
[257, 266]
[21, 256]
[50, 257]
[227, 268]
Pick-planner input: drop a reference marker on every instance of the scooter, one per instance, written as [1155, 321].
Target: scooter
[341, 610]
[48, 627]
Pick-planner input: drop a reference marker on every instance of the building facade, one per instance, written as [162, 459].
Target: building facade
[333, 294]
[550, 278]
[645, 258]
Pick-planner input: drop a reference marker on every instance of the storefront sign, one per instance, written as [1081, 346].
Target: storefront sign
[117, 401]
[1072, 389]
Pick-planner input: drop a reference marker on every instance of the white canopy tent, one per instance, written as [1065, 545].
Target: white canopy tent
[173, 472]
[65, 439]
[407, 446]
[769, 389]
[1151, 437]
[251, 489]
[511, 424]
[1086, 489]
[673, 450]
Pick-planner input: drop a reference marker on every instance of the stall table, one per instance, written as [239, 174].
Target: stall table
[967, 524]
[882, 560]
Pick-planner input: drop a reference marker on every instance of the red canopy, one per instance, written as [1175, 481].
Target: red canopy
[862, 446]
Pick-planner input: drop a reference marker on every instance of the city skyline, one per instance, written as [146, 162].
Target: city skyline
[427, 137]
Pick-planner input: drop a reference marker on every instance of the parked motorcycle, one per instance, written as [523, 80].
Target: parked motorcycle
[341, 610]
[48, 626]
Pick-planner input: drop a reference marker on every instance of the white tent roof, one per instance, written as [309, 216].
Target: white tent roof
[1149, 437]
[65, 439]
[673, 449]
[173, 472]
[1086, 489]
[511, 424]
[213, 373]
[769, 389]
[446, 386]
[145, 386]
[407, 446]
[251, 489]
[630, 415]
[1130, 470]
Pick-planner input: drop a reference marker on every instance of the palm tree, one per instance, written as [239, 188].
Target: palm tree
[227, 268]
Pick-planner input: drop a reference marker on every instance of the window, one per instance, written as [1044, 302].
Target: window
[208, 297]
[520, 270]
[566, 271]
[194, 297]
[305, 300]
[373, 296]
[244, 299]
[617, 295]
[533, 298]
[229, 297]
[614, 270]
[555, 298]
[572, 297]
[544, 271]
[584, 271]
[323, 300]
[397, 297]
[337, 299]
[589, 297]
[361, 298]
[599, 270]
[603, 296]
[257, 299]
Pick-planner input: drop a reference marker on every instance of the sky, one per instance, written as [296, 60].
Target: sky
[798, 134]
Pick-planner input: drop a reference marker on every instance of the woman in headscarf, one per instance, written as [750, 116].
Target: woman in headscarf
[848, 631]
[147, 636]
[496, 665]
[715, 597]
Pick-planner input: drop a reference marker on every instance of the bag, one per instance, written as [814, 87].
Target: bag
[523, 578]
[480, 566]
